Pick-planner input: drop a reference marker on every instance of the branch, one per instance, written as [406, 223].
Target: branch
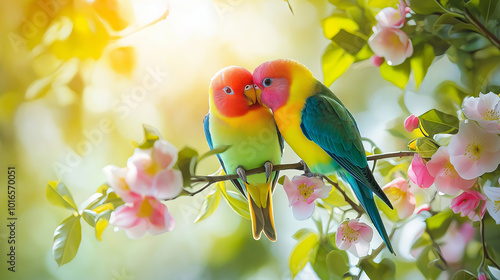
[296, 166]
[290, 166]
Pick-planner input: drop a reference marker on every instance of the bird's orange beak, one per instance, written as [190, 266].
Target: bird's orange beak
[251, 96]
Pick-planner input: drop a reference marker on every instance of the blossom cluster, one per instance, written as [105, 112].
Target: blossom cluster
[388, 40]
[147, 180]
[473, 151]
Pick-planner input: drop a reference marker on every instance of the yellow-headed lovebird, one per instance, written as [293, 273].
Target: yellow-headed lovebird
[319, 128]
[235, 118]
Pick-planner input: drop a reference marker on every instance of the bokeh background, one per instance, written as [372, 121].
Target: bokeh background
[79, 78]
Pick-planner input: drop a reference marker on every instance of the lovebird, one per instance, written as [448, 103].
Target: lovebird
[235, 118]
[320, 129]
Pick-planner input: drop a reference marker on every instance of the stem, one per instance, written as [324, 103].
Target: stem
[485, 32]
[486, 256]
[438, 249]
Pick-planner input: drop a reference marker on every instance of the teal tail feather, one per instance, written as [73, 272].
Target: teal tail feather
[365, 197]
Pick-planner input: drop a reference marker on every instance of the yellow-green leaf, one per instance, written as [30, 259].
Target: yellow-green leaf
[67, 237]
[420, 61]
[398, 74]
[151, 134]
[335, 62]
[209, 205]
[237, 202]
[58, 194]
[301, 252]
[337, 264]
[426, 146]
[333, 24]
[100, 226]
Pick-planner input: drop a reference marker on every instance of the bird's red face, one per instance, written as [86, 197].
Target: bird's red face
[273, 78]
[233, 91]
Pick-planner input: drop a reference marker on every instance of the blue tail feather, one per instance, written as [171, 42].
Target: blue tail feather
[365, 197]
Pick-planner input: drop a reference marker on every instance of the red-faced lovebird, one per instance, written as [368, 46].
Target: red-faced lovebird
[235, 118]
[320, 129]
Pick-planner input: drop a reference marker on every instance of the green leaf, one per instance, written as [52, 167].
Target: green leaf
[463, 275]
[186, 161]
[209, 205]
[426, 7]
[301, 253]
[337, 264]
[435, 122]
[89, 217]
[151, 134]
[218, 150]
[301, 233]
[398, 74]
[344, 4]
[336, 22]
[426, 263]
[351, 43]
[386, 269]
[426, 146]
[281, 180]
[58, 194]
[237, 202]
[438, 224]
[420, 61]
[335, 62]
[67, 237]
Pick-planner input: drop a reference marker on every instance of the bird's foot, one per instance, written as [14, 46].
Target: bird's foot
[242, 173]
[307, 171]
[268, 166]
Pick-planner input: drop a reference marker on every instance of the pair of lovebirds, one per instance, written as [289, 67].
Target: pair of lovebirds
[303, 111]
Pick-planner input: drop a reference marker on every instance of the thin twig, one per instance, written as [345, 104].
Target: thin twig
[486, 256]
[354, 206]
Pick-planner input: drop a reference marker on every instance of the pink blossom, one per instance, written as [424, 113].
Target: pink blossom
[411, 123]
[146, 214]
[482, 276]
[471, 204]
[484, 109]
[447, 179]
[473, 151]
[148, 179]
[392, 44]
[493, 202]
[355, 237]
[302, 191]
[390, 17]
[455, 240]
[402, 200]
[150, 171]
[418, 172]
[377, 60]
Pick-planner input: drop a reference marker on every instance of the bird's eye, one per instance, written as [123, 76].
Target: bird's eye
[267, 82]
[256, 86]
[228, 90]
[247, 87]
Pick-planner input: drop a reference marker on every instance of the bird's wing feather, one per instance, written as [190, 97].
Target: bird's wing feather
[206, 126]
[329, 124]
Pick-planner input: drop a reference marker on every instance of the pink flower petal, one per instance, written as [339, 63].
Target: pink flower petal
[411, 123]
[303, 211]
[167, 184]
[165, 154]
[419, 174]
[124, 216]
[115, 176]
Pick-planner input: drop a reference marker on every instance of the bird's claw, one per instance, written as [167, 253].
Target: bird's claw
[242, 173]
[268, 166]
[307, 171]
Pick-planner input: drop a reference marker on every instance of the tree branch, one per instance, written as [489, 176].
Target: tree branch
[290, 166]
